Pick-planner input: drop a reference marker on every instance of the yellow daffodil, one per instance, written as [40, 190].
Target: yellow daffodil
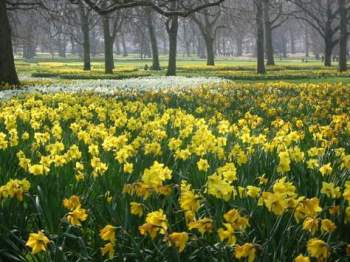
[37, 242]
[247, 250]
[318, 248]
[179, 240]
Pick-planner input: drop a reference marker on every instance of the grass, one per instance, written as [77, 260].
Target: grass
[238, 70]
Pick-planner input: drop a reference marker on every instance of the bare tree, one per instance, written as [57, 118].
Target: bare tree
[8, 72]
[153, 39]
[172, 9]
[207, 22]
[322, 16]
[274, 17]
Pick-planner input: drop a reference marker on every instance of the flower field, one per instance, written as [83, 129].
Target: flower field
[224, 172]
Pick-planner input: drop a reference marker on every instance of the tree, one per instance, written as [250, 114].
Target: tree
[84, 14]
[171, 9]
[153, 39]
[239, 18]
[274, 17]
[260, 48]
[343, 42]
[8, 72]
[207, 22]
[7, 65]
[322, 16]
[112, 24]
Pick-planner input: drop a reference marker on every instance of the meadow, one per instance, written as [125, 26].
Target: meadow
[238, 70]
[251, 170]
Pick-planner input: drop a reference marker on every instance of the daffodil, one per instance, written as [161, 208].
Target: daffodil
[179, 240]
[318, 248]
[156, 222]
[203, 225]
[246, 250]
[136, 209]
[38, 242]
[302, 258]
[108, 233]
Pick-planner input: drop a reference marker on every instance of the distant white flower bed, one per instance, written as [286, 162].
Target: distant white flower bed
[111, 86]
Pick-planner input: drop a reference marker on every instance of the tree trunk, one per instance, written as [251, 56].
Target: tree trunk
[125, 50]
[200, 48]
[209, 43]
[94, 43]
[86, 38]
[268, 35]
[260, 52]
[108, 44]
[224, 49]
[307, 43]
[117, 46]
[153, 40]
[28, 50]
[284, 46]
[29, 47]
[186, 41]
[328, 53]
[343, 43]
[239, 46]
[8, 72]
[148, 51]
[292, 41]
[172, 32]
[61, 46]
[328, 37]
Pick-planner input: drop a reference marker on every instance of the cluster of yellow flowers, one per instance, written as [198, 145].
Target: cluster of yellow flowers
[77, 214]
[240, 173]
[15, 188]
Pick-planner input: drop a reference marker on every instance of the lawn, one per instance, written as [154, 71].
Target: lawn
[237, 70]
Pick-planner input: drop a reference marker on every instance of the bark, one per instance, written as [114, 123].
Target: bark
[224, 50]
[61, 46]
[153, 40]
[307, 43]
[292, 41]
[172, 32]
[147, 47]
[94, 43]
[260, 52]
[328, 52]
[8, 72]
[329, 33]
[206, 29]
[284, 46]
[343, 43]
[200, 48]
[73, 46]
[117, 46]
[268, 35]
[86, 39]
[108, 46]
[239, 46]
[209, 43]
[29, 50]
[29, 47]
[125, 50]
[186, 41]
